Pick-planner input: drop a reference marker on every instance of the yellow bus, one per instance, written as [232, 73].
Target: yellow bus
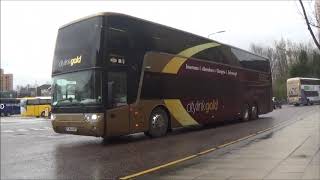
[36, 106]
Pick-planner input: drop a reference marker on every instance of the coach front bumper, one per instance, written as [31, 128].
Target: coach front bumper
[89, 124]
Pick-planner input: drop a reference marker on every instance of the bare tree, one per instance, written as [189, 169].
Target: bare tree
[309, 25]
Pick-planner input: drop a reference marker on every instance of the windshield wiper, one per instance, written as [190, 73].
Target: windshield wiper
[62, 100]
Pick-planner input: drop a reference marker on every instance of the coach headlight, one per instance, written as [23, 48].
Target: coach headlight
[91, 118]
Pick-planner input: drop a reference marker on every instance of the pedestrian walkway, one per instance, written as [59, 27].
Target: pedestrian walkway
[290, 153]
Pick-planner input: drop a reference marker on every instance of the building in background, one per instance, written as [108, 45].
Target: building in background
[6, 81]
[44, 90]
[34, 90]
[8, 94]
[27, 91]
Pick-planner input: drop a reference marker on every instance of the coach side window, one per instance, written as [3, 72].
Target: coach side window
[33, 102]
[117, 41]
[211, 54]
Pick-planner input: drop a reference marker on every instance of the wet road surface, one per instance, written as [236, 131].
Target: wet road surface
[31, 150]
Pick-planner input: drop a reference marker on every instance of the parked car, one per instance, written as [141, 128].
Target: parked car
[276, 103]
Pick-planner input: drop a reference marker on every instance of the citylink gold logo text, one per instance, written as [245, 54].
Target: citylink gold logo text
[202, 106]
[70, 62]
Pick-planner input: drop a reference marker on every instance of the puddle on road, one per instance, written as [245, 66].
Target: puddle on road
[268, 136]
[300, 156]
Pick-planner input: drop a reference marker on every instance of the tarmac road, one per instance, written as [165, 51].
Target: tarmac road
[31, 150]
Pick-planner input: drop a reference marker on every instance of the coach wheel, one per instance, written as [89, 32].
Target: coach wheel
[158, 123]
[245, 112]
[2, 114]
[42, 114]
[254, 112]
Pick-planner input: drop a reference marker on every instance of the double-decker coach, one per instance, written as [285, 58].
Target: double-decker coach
[114, 74]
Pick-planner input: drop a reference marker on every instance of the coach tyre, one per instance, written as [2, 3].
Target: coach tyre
[158, 123]
[245, 112]
[254, 112]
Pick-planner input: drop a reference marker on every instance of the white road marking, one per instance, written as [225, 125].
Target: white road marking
[35, 129]
[25, 130]
[42, 129]
[5, 121]
[22, 130]
[7, 131]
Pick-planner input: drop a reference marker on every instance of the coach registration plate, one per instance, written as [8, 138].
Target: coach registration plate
[71, 129]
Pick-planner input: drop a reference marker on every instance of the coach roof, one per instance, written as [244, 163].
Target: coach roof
[125, 15]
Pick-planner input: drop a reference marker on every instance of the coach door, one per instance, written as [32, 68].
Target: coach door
[117, 115]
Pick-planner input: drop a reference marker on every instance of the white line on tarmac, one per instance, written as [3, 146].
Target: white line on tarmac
[7, 131]
[35, 129]
[42, 129]
[22, 130]
[25, 130]
[21, 123]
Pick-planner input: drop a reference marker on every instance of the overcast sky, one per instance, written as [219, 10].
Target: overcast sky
[29, 29]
